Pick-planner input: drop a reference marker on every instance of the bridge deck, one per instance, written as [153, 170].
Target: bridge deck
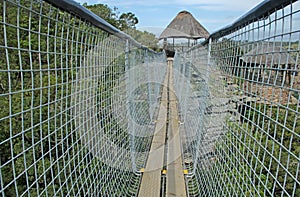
[151, 180]
[175, 178]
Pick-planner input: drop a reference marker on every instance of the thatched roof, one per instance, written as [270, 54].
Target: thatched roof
[184, 25]
[266, 53]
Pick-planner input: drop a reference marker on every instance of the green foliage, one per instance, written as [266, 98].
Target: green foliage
[145, 38]
[105, 12]
[106, 84]
[41, 151]
[112, 16]
[126, 22]
[35, 89]
[263, 151]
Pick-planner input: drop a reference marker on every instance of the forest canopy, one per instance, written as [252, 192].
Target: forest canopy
[42, 49]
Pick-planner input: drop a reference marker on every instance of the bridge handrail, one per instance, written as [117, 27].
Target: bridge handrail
[260, 11]
[84, 13]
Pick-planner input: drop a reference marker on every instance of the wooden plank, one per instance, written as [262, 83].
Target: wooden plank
[175, 177]
[151, 180]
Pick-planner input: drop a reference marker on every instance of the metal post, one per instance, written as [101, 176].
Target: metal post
[209, 51]
[173, 44]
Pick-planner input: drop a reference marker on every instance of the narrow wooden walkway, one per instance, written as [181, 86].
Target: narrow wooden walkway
[166, 127]
[175, 179]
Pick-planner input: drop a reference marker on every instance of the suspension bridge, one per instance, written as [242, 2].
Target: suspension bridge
[85, 110]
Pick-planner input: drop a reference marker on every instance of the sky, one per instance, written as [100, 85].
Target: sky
[155, 15]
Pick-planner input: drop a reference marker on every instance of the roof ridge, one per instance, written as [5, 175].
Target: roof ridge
[184, 25]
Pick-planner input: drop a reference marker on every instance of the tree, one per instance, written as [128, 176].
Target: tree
[125, 22]
[144, 37]
[128, 20]
[105, 12]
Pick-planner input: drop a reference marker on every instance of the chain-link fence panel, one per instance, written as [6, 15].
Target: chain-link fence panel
[241, 131]
[78, 99]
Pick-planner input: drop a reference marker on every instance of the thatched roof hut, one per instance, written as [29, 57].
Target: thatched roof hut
[268, 54]
[184, 25]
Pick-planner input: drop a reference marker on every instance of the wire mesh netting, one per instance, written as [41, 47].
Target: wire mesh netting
[77, 104]
[241, 128]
